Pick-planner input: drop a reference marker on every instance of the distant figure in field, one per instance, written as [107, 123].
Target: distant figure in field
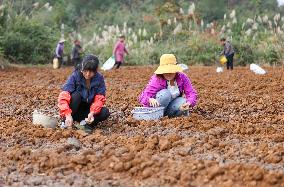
[76, 54]
[228, 52]
[119, 51]
[59, 51]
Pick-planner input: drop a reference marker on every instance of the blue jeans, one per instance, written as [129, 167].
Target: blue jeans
[172, 106]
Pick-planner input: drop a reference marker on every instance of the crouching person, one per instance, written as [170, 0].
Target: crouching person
[83, 96]
[169, 88]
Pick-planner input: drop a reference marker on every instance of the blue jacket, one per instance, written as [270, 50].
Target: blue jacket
[76, 83]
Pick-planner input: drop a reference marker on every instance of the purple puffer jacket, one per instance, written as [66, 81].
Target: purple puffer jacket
[156, 84]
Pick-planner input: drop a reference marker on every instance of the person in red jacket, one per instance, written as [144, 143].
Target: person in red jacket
[83, 96]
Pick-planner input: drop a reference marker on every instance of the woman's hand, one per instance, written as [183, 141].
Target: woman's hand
[185, 107]
[90, 118]
[69, 121]
[153, 102]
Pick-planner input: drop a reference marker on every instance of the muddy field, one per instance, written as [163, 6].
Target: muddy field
[234, 137]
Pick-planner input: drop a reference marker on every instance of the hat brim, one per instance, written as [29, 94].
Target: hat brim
[168, 69]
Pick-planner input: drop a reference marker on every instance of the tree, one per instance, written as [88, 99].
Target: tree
[212, 10]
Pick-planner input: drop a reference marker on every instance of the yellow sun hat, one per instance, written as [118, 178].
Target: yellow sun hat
[168, 64]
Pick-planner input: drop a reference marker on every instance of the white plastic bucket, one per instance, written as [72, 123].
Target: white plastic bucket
[44, 120]
[148, 113]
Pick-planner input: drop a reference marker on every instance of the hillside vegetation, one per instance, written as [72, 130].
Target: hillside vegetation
[191, 29]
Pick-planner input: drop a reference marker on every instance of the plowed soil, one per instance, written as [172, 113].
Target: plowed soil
[233, 137]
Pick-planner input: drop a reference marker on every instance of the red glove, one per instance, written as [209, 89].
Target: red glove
[98, 103]
[63, 103]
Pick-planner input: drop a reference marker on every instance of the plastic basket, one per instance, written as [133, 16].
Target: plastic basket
[148, 113]
[44, 120]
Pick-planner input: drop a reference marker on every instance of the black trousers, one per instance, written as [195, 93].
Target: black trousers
[60, 59]
[80, 110]
[117, 64]
[76, 62]
[230, 62]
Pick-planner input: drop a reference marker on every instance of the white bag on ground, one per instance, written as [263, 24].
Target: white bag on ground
[219, 70]
[257, 69]
[108, 65]
[184, 67]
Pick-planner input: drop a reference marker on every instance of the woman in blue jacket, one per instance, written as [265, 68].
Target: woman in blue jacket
[83, 95]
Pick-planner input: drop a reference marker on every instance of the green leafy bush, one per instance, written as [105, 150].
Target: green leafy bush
[272, 56]
[28, 41]
[245, 53]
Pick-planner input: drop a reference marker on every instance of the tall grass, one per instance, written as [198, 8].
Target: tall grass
[150, 31]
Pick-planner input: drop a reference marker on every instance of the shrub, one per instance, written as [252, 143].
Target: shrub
[28, 41]
[272, 56]
[3, 62]
[245, 54]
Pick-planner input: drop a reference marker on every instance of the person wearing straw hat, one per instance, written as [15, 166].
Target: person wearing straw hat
[59, 51]
[169, 87]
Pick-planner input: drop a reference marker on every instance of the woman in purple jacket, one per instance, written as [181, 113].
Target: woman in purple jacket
[59, 51]
[169, 88]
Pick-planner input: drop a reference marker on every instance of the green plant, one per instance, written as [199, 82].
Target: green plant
[28, 41]
[154, 57]
[272, 56]
[245, 53]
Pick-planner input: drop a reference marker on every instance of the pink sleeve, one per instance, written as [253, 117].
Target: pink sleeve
[189, 91]
[152, 88]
